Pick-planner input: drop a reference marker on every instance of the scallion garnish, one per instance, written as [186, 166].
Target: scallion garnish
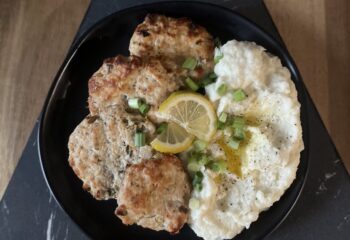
[197, 181]
[222, 89]
[190, 63]
[239, 95]
[134, 103]
[206, 81]
[220, 125]
[233, 143]
[212, 75]
[238, 122]
[217, 166]
[144, 108]
[139, 139]
[195, 156]
[193, 166]
[223, 117]
[204, 159]
[218, 57]
[239, 133]
[137, 103]
[162, 128]
[191, 84]
[200, 145]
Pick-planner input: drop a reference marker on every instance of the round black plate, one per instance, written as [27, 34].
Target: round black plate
[66, 106]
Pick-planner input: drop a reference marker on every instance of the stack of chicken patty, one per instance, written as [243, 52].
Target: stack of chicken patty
[152, 189]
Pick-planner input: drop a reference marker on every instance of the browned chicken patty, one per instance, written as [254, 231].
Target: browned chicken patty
[121, 78]
[101, 147]
[152, 189]
[155, 194]
[176, 39]
[100, 151]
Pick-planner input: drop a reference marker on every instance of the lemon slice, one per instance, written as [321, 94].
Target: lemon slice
[174, 140]
[192, 111]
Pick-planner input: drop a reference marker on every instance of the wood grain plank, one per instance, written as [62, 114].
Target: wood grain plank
[338, 55]
[302, 26]
[34, 39]
[317, 34]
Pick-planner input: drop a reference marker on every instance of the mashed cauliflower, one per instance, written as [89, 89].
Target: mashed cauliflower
[271, 156]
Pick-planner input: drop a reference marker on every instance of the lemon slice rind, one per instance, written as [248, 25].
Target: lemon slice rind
[193, 112]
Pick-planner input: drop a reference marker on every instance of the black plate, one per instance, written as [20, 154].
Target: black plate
[66, 106]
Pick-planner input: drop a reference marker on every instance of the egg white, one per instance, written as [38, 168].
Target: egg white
[271, 157]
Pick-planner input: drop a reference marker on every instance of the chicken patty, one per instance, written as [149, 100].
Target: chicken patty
[101, 147]
[121, 78]
[176, 39]
[152, 189]
[155, 194]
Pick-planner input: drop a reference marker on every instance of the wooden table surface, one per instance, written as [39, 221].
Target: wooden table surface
[34, 39]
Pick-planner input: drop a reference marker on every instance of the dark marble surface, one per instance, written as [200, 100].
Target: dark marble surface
[28, 211]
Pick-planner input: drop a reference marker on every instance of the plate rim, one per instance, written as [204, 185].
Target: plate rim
[78, 41]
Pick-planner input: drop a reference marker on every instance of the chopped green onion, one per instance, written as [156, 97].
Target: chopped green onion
[238, 122]
[212, 75]
[223, 117]
[217, 166]
[198, 177]
[220, 125]
[194, 203]
[191, 84]
[198, 187]
[218, 57]
[134, 103]
[200, 145]
[239, 95]
[190, 63]
[199, 158]
[144, 108]
[239, 133]
[195, 156]
[197, 181]
[162, 128]
[193, 166]
[233, 143]
[222, 89]
[204, 159]
[137, 103]
[206, 81]
[139, 139]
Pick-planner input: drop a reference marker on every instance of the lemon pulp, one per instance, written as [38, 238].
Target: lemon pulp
[193, 112]
[174, 139]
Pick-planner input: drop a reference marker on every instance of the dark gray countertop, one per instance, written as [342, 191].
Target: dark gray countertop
[28, 211]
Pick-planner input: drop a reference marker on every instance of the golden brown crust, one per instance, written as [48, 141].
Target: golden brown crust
[176, 39]
[86, 149]
[120, 78]
[155, 194]
[101, 147]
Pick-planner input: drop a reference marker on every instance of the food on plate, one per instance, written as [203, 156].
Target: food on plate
[176, 39]
[267, 140]
[122, 78]
[192, 111]
[173, 139]
[155, 194]
[101, 147]
[185, 132]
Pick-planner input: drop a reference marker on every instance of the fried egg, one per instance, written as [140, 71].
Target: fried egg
[230, 202]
